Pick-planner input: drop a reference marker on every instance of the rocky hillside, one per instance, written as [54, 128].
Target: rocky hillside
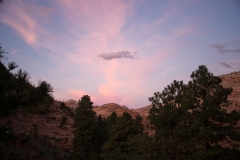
[233, 80]
[56, 124]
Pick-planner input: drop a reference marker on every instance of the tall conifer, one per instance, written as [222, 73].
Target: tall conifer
[192, 121]
[85, 127]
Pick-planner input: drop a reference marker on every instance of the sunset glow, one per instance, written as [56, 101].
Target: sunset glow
[119, 51]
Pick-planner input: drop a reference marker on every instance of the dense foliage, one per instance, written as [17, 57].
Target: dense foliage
[111, 138]
[85, 125]
[124, 129]
[192, 122]
[27, 146]
[16, 91]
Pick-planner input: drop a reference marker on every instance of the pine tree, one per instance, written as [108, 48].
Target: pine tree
[16, 90]
[191, 121]
[85, 131]
[214, 124]
[142, 147]
[101, 133]
[125, 128]
[111, 122]
[171, 121]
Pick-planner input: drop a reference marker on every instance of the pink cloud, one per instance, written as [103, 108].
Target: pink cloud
[170, 11]
[24, 29]
[97, 15]
[123, 81]
[174, 35]
[31, 23]
[101, 21]
[42, 12]
[93, 27]
[167, 71]
[75, 94]
[103, 35]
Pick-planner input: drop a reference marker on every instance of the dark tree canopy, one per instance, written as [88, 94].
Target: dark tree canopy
[171, 121]
[124, 129]
[85, 134]
[191, 119]
[213, 123]
[16, 90]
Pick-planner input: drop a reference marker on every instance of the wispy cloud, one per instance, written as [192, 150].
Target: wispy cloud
[226, 65]
[118, 55]
[231, 65]
[27, 20]
[76, 94]
[167, 71]
[223, 48]
[90, 45]
[172, 36]
[41, 12]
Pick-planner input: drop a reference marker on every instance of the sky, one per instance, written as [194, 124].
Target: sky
[119, 51]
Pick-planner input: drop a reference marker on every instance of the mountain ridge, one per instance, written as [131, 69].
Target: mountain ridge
[51, 124]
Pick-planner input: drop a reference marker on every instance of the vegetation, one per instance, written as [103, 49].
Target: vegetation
[17, 92]
[85, 125]
[124, 133]
[63, 121]
[66, 109]
[111, 138]
[34, 129]
[22, 146]
[191, 120]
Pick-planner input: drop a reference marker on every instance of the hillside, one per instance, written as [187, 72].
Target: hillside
[50, 125]
[233, 80]
[57, 128]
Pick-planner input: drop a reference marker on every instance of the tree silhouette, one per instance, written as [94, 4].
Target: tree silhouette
[171, 120]
[191, 121]
[17, 91]
[85, 140]
[213, 122]
[125, 128]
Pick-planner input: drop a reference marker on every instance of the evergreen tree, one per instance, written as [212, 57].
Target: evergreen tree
[85, 131]
[192, 120]
[125, 128]
[16, 90]
[213, 122]
[111, 122]
[101, 133]
[171, 121]
[142, 147]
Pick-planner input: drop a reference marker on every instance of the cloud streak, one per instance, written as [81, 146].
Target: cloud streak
[232, 65]
[226, 65]
[223, 50]
[118, 55]
[88, 47]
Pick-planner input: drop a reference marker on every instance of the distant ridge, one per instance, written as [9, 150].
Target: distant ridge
[49, 124]
[71, 103]
[114, 104]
